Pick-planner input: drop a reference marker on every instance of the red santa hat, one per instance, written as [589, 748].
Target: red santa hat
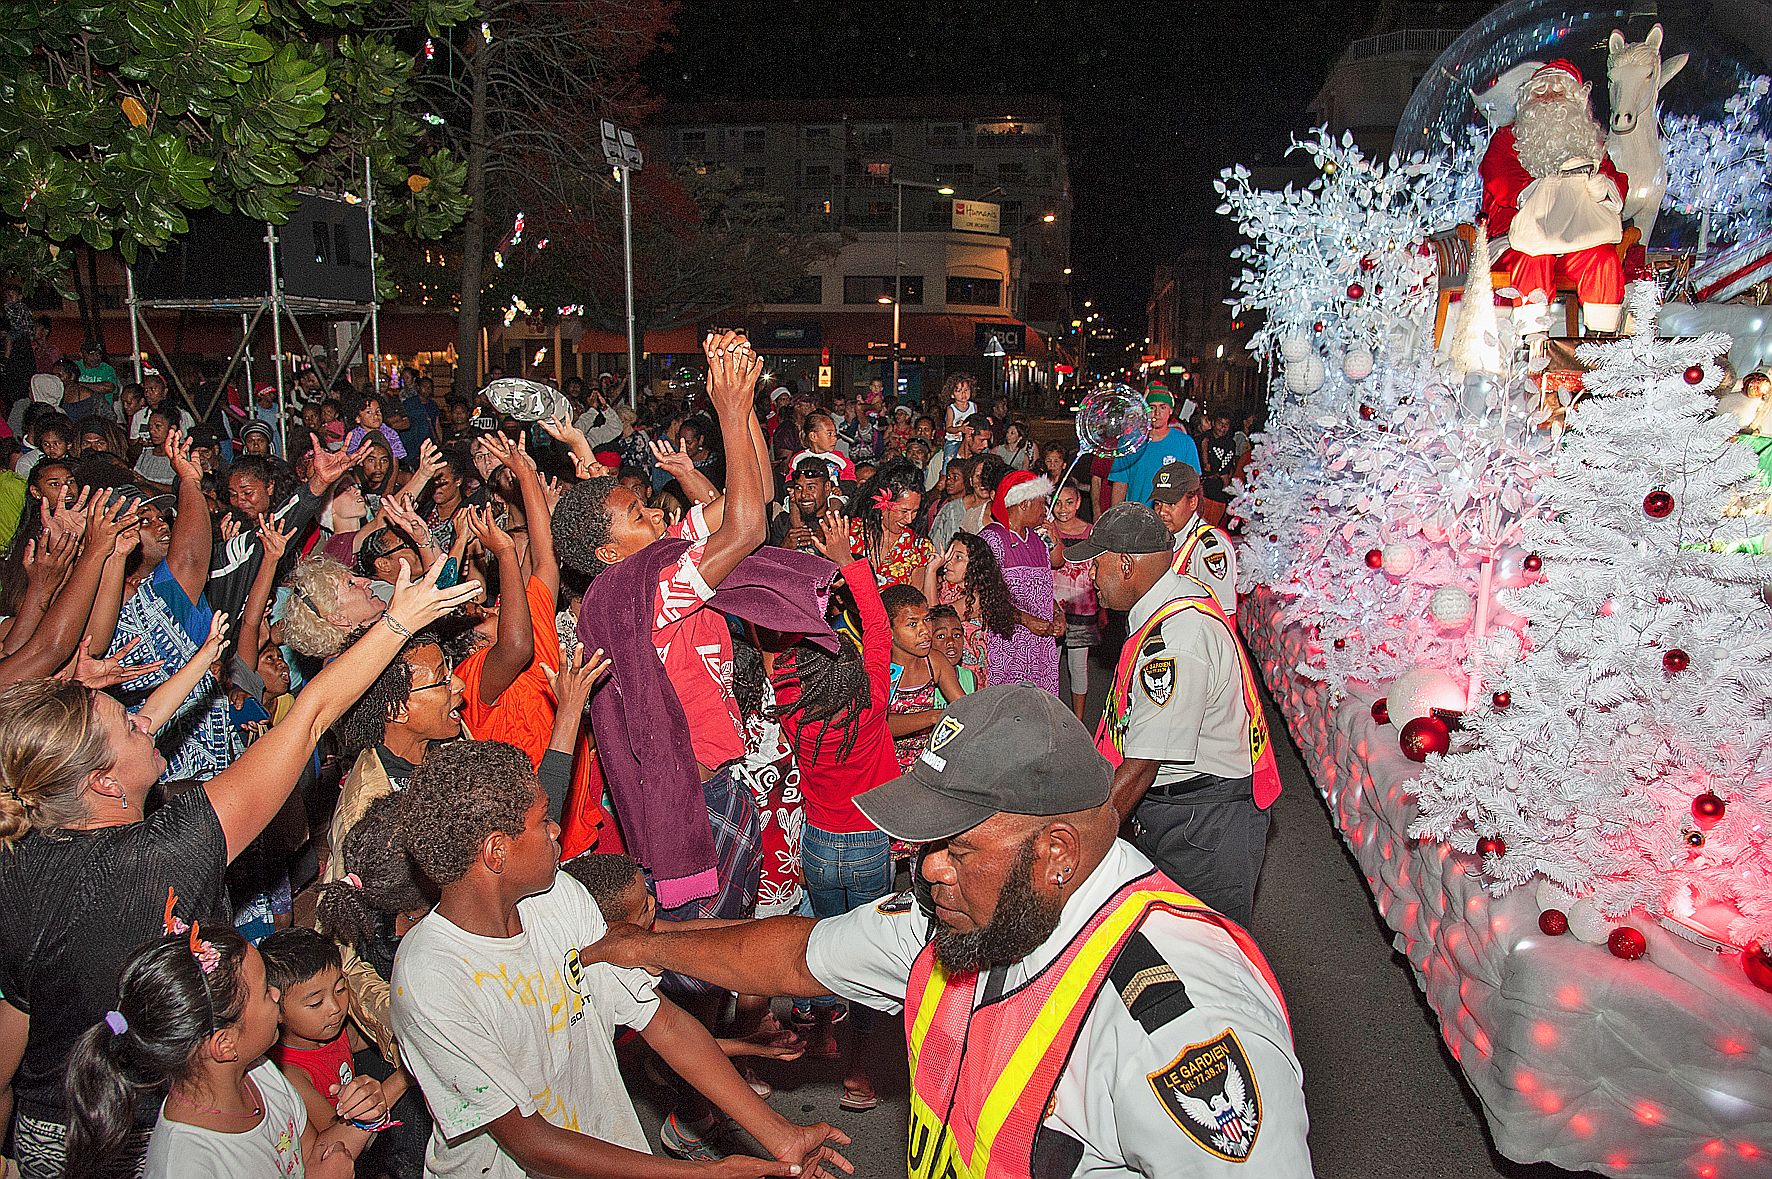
[1561, 65]
[1018, 487]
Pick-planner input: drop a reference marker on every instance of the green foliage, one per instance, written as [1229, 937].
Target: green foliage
[118, 118]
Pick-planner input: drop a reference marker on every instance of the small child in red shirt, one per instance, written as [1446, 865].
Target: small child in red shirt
[307, 974]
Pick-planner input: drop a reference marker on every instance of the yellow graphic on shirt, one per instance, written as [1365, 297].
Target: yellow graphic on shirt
[533, 988]
[553, 1108]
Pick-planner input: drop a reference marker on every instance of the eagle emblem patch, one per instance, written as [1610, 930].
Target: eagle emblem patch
[1156, 679]
[946, 731]
[1210, 1092]
[1217, 564]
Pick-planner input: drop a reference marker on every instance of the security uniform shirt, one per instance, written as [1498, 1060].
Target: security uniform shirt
[1182, 1004]
[1187, 710]
[1213, 561]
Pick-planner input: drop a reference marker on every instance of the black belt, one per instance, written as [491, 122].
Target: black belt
[1202, 784]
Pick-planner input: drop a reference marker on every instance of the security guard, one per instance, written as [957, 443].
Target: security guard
[1202, 550]
[1069, 1010]
[1183, 723]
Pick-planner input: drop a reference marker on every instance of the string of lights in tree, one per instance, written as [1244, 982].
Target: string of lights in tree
[1717, 169]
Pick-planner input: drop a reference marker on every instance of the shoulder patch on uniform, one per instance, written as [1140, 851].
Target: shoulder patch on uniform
[1210, 540]
[1156, 679]
[1152, 645]
[1209, 1090]
[1148, 985]
[897, 904]
[1217, 564]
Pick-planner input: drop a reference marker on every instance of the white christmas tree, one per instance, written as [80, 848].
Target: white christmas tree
[1717, 169]
[1380, 456]
[1626, 754]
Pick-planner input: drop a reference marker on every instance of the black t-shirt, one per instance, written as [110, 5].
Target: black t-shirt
[397, 768]
[75, 904]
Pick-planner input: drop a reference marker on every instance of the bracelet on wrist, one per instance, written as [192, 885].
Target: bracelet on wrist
[396, 627]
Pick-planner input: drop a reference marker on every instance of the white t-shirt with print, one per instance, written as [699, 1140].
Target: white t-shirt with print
[273, 1147]
[487, 1025]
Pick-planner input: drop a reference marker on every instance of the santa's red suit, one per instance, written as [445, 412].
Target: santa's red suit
[1596, 271]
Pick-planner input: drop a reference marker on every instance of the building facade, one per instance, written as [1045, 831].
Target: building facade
[909, 187]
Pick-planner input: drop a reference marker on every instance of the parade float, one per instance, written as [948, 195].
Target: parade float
[1501, 545]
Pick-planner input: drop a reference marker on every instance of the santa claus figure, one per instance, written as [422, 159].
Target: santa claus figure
[1551, 192]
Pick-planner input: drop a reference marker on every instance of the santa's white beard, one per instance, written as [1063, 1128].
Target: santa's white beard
[1550, 134]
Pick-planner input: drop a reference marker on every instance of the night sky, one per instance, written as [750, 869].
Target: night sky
[1157, 97]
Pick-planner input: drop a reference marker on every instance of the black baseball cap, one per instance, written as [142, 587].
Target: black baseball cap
[1174, 482]
[1132, 529]
[1011, 748]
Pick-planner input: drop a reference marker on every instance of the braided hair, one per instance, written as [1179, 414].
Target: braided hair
[834, 692]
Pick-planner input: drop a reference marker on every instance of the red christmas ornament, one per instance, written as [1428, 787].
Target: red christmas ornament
[1658, 504]
[1492, 845]
[1757, 965]
[1423, 736]
[1675, 661]
[1425, 249]
[1273, 538]
[1381, 710]
[1367, 264]
[1375, 558]
[1554, 922]
[1502, 700]
[1365, 413]
[1627, 943]
[1318, 326]
[1707, 808]
[1695, 374]
[1341, 644]
[1355, 291]
[1532, 563]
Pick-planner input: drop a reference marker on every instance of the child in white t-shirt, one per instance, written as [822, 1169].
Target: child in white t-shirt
[195, 1016]
[509, 1036]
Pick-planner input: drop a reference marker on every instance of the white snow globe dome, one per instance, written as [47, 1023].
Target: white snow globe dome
[1728, 42]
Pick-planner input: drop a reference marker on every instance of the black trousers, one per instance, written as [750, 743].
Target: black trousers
[1211, 840]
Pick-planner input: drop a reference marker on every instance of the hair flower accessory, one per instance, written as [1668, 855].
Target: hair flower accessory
[884, 499]
[172, 924]
[115, 1021]
[207, 956]
[354, 880]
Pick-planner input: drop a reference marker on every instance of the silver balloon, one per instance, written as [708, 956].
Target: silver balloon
[1113, 420]
[527, 401]
[1510, 568]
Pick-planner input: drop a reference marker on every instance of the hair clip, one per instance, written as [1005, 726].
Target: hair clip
[883, 499]
[171, 924]
[115, 1021]
[354, 880]
[207, 956]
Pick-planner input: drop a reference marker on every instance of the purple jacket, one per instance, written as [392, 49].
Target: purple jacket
[642, 733]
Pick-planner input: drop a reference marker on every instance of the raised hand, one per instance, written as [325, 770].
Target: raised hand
[330, 464]
[562, 430]
[108, 519]
[833, 538]
[69, 519]
[577, 679]
[510, 454]
[402, 513]
[231, 528]
[182, 455]
[484, 526]
[274, 540]
[430, 460]
[733, 369]
[48, 558]
[211, 650]
[99, 673]
[417, 604]
[665, 453]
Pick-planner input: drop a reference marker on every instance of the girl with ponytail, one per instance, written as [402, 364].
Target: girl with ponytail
[193, 1021]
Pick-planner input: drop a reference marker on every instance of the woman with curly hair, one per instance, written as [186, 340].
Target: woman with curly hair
[969, 579]
[885, 508]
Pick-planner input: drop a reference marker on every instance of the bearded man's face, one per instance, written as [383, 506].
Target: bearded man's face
[989, 908]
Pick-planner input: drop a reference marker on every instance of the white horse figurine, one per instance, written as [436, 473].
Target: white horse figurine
[1635, 75]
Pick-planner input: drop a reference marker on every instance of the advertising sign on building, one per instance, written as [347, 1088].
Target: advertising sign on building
[1010, 339]
[978, 216]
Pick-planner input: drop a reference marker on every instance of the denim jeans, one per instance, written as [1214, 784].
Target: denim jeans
[845, 869]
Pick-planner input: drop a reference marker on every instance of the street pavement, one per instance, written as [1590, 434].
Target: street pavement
[1386, 1100]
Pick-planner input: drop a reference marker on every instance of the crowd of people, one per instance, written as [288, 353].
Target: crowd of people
[332, 748]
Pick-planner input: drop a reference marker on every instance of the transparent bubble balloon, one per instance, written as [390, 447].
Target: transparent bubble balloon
[1728, 43]
[1113, 420]
[525, 400]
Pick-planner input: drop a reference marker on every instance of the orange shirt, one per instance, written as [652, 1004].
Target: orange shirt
[524, 715]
